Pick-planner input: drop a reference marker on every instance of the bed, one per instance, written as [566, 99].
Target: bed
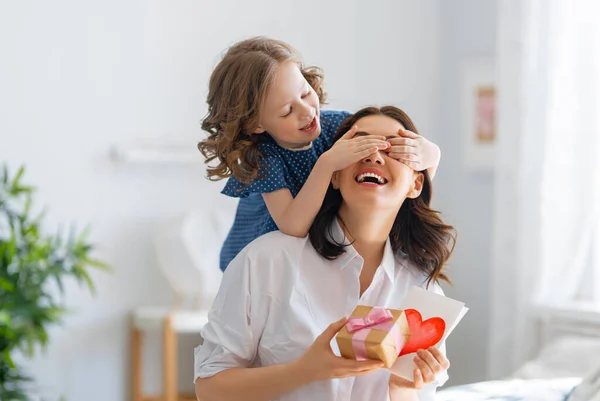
[567, 367]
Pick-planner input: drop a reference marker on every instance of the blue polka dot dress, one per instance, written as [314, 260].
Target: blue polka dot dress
[282, 168]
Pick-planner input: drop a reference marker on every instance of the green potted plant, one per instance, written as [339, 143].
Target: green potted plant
[33, 265]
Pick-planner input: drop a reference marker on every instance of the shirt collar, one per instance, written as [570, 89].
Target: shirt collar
[389, 260]
[336, 234]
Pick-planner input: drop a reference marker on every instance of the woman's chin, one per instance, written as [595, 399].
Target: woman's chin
[371, 185]
[372, 203]
[372, 190]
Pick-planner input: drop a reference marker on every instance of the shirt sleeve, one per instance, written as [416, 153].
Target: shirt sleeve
[234, 328]
[271, 177]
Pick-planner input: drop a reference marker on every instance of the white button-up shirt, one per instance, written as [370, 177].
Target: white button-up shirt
[279, 294]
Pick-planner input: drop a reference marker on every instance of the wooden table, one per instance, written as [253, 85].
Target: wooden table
[171, 323]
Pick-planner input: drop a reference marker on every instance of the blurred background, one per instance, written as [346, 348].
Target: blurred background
[101, 102]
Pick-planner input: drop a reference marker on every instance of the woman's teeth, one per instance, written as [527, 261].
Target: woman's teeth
[371, 177]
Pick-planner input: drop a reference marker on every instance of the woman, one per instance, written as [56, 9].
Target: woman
[269, 335]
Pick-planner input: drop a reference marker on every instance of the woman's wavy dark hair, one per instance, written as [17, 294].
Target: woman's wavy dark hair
[417, 233]
[236, 91]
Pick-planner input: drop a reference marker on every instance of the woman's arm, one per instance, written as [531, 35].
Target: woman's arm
[238, 317]
[266, 383]
[294, 216]
[249, 384]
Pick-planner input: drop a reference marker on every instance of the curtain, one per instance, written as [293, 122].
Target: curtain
[547, 169]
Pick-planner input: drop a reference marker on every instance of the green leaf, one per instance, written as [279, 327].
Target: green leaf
[30, 350]
[22, 189]
[5, 174]
[9, 360]
[59, 283]
[84, 235]
[11, 244]
[6, 285]
[27, 208]
[40, 217]
[17, 178]
[98, 264]
[5, 318]
[29, 259]
[83, 274]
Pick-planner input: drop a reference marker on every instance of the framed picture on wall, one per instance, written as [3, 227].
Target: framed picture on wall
[479, 106]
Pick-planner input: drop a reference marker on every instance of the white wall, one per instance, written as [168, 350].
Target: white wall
[77, 77]
[468, 29]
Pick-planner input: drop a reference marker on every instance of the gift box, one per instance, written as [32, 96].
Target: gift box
[373, 333]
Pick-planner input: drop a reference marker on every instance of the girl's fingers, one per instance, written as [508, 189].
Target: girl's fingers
[403, 149]
[367, 152]
[373, 142]
[408, 134]
[412, 164]
[350, 134]
[403, 157]
[373, 145]
[398, 141]
[364, 138]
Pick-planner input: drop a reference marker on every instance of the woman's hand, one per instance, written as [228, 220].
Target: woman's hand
[429, 363]
[320, 363]
[350, 149]
[414, 150]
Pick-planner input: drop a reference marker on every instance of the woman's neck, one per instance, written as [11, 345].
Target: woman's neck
[368, 230]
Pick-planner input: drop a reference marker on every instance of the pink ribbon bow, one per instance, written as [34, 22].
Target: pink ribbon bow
[375, 317]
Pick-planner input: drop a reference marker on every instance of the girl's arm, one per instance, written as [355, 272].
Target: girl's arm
[294, 216]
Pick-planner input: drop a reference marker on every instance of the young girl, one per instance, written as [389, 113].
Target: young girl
[274, 143]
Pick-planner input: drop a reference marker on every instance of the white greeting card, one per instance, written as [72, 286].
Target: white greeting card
[432, 317]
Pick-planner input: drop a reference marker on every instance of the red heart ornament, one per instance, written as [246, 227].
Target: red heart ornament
[423, 334]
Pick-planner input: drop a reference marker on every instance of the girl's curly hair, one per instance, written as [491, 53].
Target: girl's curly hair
[236, 93]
